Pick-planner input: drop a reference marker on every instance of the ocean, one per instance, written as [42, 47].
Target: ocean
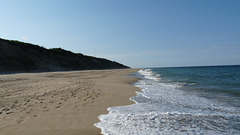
[183, 100]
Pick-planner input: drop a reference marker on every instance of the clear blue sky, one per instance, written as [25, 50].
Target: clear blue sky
[138, 33]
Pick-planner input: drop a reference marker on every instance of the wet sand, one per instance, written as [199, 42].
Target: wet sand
[61, 103]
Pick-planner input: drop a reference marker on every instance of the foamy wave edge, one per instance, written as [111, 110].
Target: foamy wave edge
[143, 72]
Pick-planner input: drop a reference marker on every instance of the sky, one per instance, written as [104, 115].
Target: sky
[137, 33]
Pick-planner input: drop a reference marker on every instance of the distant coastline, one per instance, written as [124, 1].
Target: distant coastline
[18, 56]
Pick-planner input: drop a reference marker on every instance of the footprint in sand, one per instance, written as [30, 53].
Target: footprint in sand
[5, 109]
[19, 121]
[45, 110]
[51, 101]
[9, 112]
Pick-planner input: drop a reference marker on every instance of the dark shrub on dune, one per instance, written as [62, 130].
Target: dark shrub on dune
[18, 56]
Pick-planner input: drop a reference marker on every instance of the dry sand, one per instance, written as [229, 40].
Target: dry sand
[61, 103]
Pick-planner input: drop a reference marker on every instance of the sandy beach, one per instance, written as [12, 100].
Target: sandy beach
[61, 103]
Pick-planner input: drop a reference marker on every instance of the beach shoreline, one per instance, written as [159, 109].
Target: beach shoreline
[61, 102]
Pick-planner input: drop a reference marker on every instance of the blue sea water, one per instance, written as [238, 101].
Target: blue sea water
[185, 100]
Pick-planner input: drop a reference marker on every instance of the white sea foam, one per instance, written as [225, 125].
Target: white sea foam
[162, 108]
[148, 74]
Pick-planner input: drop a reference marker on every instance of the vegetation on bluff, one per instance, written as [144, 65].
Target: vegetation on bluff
[16, 56]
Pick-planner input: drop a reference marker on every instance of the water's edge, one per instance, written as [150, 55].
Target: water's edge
[133, 74]
[162, 108]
